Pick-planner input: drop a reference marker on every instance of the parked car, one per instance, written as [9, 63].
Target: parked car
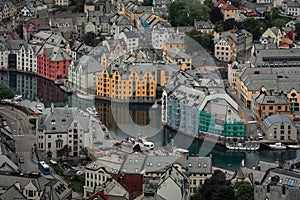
[21, 160]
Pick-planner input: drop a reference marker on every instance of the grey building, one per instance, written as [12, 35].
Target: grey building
[278, 184]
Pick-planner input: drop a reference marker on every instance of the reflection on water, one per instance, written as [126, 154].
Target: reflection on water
[36, 88]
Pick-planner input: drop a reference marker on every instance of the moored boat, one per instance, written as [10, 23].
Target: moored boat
[277, 146]
[297, 146]
[246, 146]
[85, 96]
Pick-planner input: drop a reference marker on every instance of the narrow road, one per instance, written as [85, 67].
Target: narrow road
[22, 133]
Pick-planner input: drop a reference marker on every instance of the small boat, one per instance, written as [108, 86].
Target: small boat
[92, 111]
[297, 146]
[277, 146]
[246, 146]
[85, 96]
[65, 89]
[18, 98]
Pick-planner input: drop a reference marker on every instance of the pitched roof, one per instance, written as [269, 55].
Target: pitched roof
[273, 119]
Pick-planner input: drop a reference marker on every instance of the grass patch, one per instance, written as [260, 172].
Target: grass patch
[58, 169]
[78, 183]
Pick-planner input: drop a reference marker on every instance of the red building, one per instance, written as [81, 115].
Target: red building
[53, 62]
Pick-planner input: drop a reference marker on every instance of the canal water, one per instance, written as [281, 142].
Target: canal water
[136, 120]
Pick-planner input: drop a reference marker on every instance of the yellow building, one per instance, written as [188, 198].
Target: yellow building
[136, 82]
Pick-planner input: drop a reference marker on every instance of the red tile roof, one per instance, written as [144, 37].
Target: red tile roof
[217, 4]
[228, 6]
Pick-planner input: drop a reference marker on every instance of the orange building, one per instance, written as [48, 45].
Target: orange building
[135, 82]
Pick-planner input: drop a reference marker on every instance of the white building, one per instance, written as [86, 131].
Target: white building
[61, 2]
[224, 49]
[173, 185]
[291, 7]
[131, 39]
[82, 74]
[159, 36]
[26, 58]
[25, 12]
[59, 127]
[99, 171]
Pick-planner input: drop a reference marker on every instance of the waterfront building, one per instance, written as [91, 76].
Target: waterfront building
[279, 128]
[52, 62]
[133, 81]
[82, 74]
[205, 109]
[182, 109]
[99, 171]
[267, 103]
[62, 127]
[31, 186]
[26, 58]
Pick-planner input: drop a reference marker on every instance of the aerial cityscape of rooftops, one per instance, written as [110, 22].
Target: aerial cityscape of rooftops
[150, 99]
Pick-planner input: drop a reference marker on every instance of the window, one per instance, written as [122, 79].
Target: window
[49, 145]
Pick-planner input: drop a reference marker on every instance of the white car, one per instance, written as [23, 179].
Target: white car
[78, 173]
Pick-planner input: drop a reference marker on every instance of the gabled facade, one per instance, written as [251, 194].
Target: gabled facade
[53, 62]
[26, 58]
[223, 49]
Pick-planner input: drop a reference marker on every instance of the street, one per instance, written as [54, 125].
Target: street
[22, 132]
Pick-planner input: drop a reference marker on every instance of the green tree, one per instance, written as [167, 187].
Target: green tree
[244, 191]
[206, 41]
[89, 38]
[196, 195]
[256, 27]
[184, 12]
[208, 3]
[224, 192]
[19, 30]
[6, 92]
[216, 15]
[147, 3]
[212, 184]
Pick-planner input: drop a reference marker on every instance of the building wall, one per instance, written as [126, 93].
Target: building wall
[26, 60]
[281, 131]
[228, 13]
[135, 87]
[52, 69]
[92, 179]
[61, 2]
[223, 51]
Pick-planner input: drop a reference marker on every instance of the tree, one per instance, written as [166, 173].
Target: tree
[6, 92]
[184, 12]
[65, 151]
[216, 15]
[19, 30]
[89, 37]
[212, 184]
[208, 3]
[257, 28]
[147, 3]
[205, 41]
[244, 191]
[224, 192]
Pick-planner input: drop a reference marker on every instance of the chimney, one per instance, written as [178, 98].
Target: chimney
[258, 167]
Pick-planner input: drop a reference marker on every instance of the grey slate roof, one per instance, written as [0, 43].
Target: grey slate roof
[54, 53]
[7, 163]
[273, 119]
[267, 98]
[89, 64]
[200, 165]
[12, 193]
[176, 53]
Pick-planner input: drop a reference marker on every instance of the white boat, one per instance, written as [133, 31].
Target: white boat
[65, 89]
[92, 111]
[278, 146]
[246, 146]
[297, 146]
[85, 96]
[18, 98]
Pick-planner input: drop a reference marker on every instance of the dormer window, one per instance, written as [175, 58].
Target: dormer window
[53, 121]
